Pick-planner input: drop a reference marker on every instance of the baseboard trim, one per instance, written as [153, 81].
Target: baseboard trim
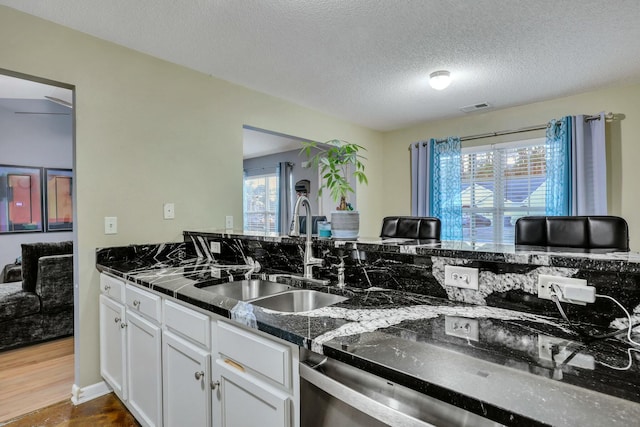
[84, 394]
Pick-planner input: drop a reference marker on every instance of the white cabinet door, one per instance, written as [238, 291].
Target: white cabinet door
[144, 369]
[113, 345]
[185, 383]
[243, 400]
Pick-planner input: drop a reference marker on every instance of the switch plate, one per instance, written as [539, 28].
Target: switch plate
[215, 247]
[110, 225]
[169, 211]
[216, 273]
[461, 277]
[462, 327]
[228, 222]
[546, 282]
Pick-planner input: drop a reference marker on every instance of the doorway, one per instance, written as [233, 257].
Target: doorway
[37, 207]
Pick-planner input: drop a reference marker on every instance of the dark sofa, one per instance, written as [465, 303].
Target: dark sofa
[41, 306]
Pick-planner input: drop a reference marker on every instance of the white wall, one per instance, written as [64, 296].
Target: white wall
[40, 140]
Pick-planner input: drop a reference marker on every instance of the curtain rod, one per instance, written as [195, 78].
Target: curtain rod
[607, 116]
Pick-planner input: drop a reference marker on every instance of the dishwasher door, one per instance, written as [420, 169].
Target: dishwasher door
[335, 394]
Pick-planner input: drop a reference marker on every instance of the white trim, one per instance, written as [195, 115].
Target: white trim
[512, 144]
[84, 394]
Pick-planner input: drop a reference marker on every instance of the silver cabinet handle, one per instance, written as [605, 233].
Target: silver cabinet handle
[136, 303]
[116, 320]
[123, 325]
[215, 384]
[199, 375]
[107, 287]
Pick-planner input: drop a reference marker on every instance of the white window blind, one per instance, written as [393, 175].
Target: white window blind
[260, 203]
[501, 183]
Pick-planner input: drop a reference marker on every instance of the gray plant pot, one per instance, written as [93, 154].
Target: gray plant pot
[345, 225]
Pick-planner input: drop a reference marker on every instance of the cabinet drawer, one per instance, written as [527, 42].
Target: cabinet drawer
[188, 323]
[143, 302]
[112, 287]
[265, 356]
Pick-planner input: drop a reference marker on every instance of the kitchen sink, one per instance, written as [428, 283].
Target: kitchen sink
[245, 290]
[295, 301]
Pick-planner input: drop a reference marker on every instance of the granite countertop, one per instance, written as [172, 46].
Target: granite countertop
[512, 367]
[595, 259]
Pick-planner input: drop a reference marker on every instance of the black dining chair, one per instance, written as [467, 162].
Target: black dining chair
[597, 232]
[424, 229]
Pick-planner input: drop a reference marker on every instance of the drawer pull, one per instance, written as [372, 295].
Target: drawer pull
[215, 384]
[123, 325]
[199, 375]
[116, 320]
[136, 303]
[234, 364]
[107, 287]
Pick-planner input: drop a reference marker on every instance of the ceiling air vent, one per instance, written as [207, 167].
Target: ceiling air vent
[476, 107]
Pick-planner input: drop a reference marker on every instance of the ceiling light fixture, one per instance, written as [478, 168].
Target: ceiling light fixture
[440, 79]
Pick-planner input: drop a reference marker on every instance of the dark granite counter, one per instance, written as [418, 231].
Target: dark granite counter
[514, 367]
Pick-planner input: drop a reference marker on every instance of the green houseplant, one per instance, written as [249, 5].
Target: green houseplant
[337, 161]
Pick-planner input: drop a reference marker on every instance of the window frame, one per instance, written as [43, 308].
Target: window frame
[498, 210]
[266, 212]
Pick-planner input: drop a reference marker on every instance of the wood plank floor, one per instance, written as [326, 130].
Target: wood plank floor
[104, 411]
[34, 377]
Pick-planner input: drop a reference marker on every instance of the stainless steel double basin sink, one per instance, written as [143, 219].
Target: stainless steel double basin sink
[275, 296]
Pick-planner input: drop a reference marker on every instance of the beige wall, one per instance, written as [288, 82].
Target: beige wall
[146, 131]
[623, 146]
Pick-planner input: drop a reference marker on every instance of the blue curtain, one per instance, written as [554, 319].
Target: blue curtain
[576, 166]
[445, 186]
[558, 151]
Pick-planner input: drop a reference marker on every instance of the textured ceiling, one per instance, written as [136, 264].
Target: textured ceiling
[367, 61]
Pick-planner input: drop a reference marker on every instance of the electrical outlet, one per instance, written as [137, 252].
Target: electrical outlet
[228, 222]
[574, 291]
[216, 273]
[561, 351]
[461, 327]
[215, 247]
[110, 225]
[169, 211]
[461, 277]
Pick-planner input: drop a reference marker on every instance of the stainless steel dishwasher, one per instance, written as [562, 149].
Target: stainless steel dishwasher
[335, 394]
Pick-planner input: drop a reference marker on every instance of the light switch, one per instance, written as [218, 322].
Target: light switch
[169, 211]
[110, 225]
[229, 222]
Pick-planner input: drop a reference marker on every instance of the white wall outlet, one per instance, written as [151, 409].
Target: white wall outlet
[559, 350]
[215, 247]
[216, 273]
[110, 225]
[462, 327]
[228, 222]
[461, 277]
[169, 211]
[567, 289]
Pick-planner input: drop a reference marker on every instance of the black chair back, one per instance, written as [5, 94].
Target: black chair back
[584, 232]
[425, 229]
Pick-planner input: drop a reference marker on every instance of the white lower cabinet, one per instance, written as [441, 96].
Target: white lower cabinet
[243, 400]
[113, 353]
[172, 365]
[186, 383]
[144, 369]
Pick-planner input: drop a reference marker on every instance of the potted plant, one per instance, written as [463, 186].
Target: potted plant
[337, 160]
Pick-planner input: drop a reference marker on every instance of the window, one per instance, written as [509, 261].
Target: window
[501, 183]
[20, 199]
[260, 200]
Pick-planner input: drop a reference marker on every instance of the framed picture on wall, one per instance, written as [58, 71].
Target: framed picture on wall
[59, 199]
[20, 199]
